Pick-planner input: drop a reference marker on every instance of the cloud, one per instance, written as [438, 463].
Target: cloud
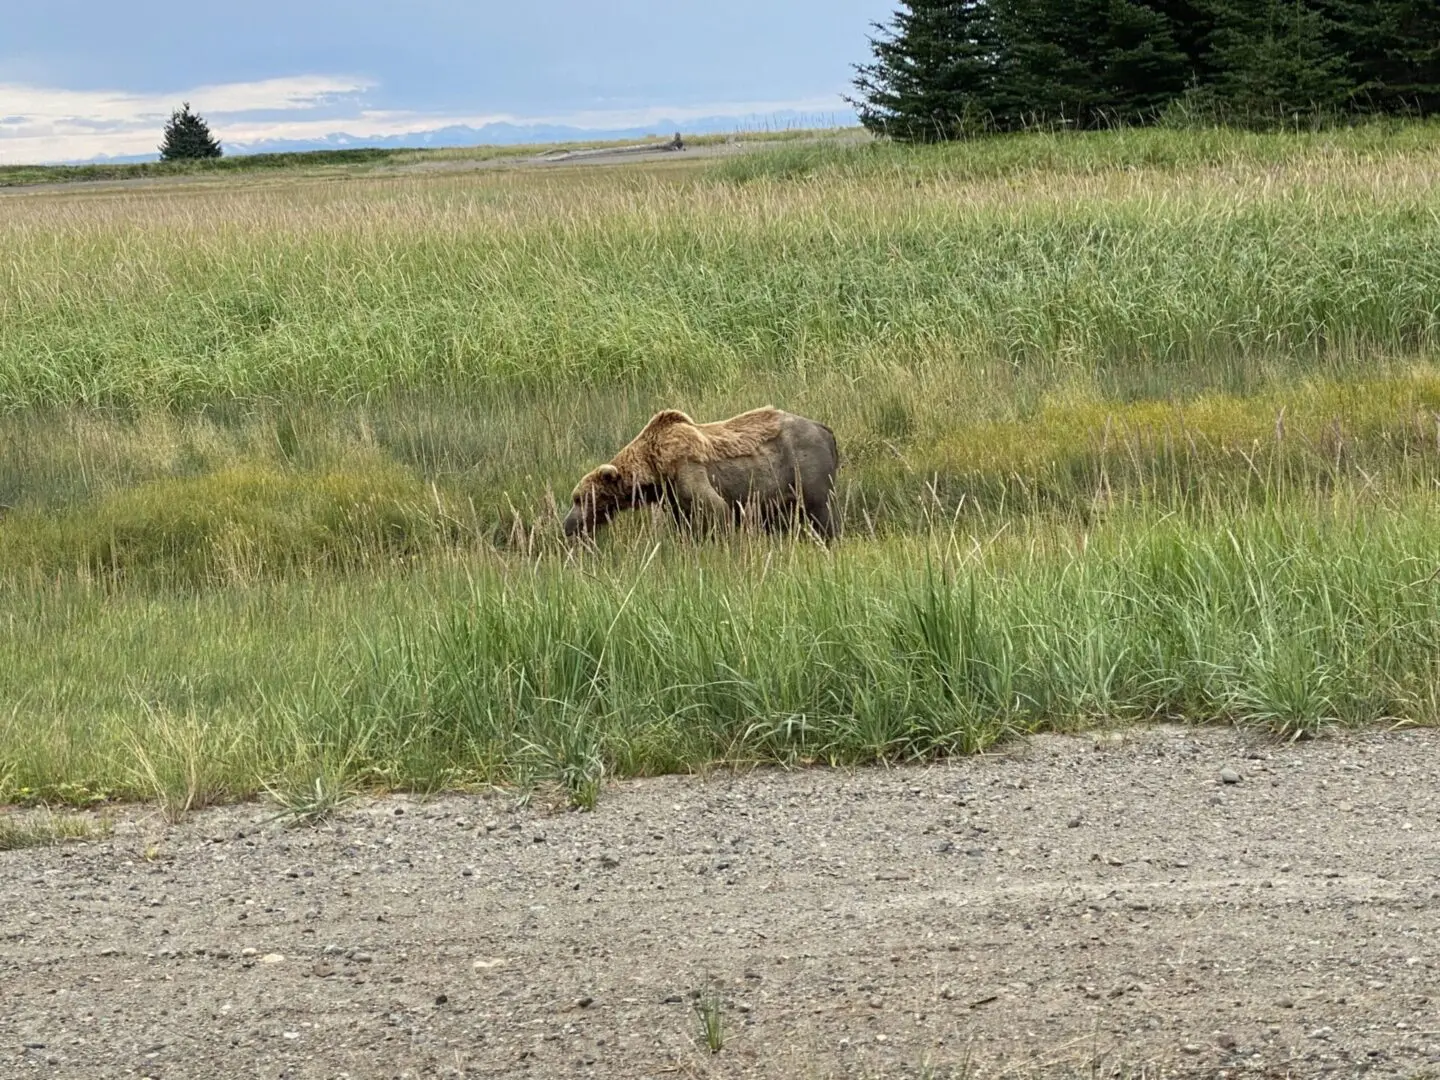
[39, 125]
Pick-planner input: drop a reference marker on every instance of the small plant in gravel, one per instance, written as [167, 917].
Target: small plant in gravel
[580, 767]
[709, 1012]
[312, 802]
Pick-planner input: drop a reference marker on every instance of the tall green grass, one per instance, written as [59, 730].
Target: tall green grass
[241, 495]
[1133, 425]
[1123, 278]
[664, 658]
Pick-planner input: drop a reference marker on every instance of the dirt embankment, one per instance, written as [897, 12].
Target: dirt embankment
[1030, 914]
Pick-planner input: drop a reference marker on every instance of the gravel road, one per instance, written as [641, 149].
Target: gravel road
[1074, 906]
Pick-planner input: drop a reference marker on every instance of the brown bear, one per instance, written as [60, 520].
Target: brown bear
[764, 465]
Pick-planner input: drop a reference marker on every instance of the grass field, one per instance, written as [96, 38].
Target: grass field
[1135, 424]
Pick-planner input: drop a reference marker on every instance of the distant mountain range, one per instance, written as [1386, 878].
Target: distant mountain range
[505, 134]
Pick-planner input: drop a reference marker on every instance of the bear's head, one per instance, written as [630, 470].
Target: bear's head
[601, 494]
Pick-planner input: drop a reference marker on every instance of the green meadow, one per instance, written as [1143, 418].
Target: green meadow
[1135, 425]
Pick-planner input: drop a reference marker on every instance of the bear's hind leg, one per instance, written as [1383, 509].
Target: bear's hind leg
[822, 517]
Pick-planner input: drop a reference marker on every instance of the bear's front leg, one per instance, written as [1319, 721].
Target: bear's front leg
[702, 505]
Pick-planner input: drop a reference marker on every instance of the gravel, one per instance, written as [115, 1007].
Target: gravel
[1028, 913]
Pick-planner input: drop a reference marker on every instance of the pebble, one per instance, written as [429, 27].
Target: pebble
[1074, 822]
[1229, 776]
[247, 953]
[362, 958]
[272, 958]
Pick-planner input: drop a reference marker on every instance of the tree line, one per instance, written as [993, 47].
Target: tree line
[945, 69]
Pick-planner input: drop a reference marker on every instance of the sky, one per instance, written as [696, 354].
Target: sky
[91, 79]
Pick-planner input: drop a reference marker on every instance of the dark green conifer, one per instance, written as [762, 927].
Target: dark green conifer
[1274, 60]
[948, 68]
[1085, 62]
[187, 136]
[1393, 52]
[934, 72]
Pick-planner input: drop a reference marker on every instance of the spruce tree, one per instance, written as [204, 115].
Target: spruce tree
[1415, 81]
[1393, 51]
[187, 136]
[1088, 62]
[933, 76]
[1276, 59]
[1144, 66]
[949, 68]
[1191, 24]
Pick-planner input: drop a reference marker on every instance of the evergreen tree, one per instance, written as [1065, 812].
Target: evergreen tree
[187, 136]
[1393, 50]
[933, 77]
[948, 68]
[1191, 24]
[1414, 82]
[1274, 59]
[1145, 67]
[1086, 61]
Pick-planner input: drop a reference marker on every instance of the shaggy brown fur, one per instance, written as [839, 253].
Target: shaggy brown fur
[709, 472]
[671, 437]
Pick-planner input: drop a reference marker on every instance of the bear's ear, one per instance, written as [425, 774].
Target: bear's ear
[608, 472]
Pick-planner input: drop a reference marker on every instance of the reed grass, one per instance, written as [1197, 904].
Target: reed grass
[1124, 278]
[1134, 425]
[661, 657]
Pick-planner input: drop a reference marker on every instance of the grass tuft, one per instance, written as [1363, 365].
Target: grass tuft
[18, 832]
[313, 803]
[709, 1009]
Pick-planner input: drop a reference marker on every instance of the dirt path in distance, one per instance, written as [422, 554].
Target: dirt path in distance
[426, 167]
[1073, 901]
